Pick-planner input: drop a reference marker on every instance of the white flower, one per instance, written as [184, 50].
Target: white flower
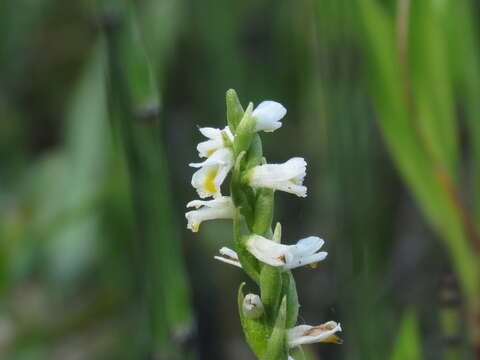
[213, 171]
[286, 177]
[218, 208]
[228, 256]
[306, 334]
[268, 115]
[287, 256]
[215, 142]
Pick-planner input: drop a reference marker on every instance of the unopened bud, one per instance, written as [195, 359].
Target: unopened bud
[252, 306]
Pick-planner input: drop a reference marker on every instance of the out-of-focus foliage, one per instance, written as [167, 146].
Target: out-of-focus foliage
[407, 345]
[383, 102]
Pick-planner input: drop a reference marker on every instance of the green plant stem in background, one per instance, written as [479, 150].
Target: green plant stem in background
[414, 99]
[407, 344]
[162, 282]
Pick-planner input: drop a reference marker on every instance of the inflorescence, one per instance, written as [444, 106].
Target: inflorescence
[269, 320]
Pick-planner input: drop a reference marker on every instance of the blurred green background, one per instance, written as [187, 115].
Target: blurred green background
[99, 107]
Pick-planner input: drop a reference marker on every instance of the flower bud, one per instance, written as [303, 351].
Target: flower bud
[252, 306]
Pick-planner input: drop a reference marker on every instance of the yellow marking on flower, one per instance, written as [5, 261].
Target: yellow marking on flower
[196, 226]
[209, 184]
[313, 265]
[210, 152]
[293, 181]
[333, 339]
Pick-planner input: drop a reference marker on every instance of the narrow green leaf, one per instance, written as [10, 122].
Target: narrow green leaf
[422, 167]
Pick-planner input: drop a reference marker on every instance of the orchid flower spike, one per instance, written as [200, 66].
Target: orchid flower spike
[306, 334]
[268, 115]
[286, 177]
[213, 171]
[228, 256]
[287, 257]
[216, 140]
[218, 208]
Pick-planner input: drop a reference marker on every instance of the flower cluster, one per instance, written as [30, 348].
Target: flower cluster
[268, 320]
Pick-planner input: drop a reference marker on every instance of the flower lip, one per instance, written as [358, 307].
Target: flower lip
[218, 208]
[213, 171]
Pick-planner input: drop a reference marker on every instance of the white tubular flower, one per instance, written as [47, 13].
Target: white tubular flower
[268, 115]
[213, 171]
[286, 177]
[218, 208]
[306, 334]
[228, 256]
[287, 257]
[215, 142]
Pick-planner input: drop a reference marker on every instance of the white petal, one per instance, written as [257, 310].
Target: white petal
[218, 208]
[222, 156]
[225, 251]
[286, 256]
[197, 203]
[266, 250]
[297, 331]
[228, 261]
[289, 187]
[215, 142]
[308, 245]
[207, 148]
[293, 169]
[228, 256]
[306, 260]
[222, 174]
[268, 115]
[286, 177]
[201, 177]
[211, 133]
[305, 334]
[208, 179]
